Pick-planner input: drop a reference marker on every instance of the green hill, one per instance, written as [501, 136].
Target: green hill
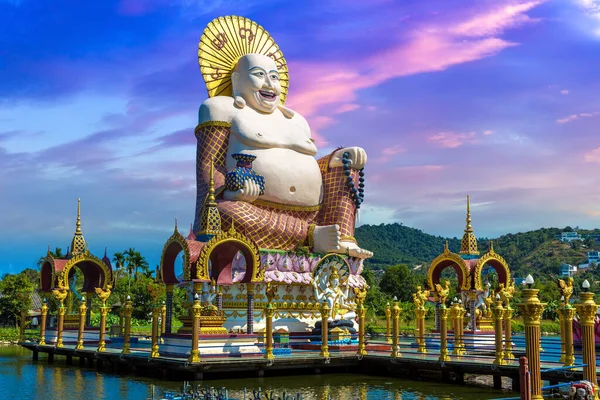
[537, 250]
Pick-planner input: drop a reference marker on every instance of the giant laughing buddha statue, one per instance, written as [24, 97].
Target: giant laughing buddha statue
[298, 200]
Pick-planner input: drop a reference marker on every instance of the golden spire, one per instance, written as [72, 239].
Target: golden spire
[175, 229]
[468, 244]
[78, 244]
[210, 221]
[491, 249]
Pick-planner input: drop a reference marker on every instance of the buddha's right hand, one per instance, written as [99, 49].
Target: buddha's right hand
[249, 193]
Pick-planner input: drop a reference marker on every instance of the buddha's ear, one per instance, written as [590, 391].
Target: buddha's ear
[235, 81]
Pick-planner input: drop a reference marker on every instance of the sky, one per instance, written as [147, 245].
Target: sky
[496, 99]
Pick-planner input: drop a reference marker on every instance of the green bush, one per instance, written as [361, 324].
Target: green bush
[550, 327]
[517, 326]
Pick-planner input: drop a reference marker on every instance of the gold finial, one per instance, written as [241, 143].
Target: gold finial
[78, 244]
[469, 228]
[78, 224]
[211, 184]
[491, 249]
[48, 248]
[468, 244]
[176, 230]
[446, 249]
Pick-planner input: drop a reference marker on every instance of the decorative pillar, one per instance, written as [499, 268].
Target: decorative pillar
[169, 306]
[532, 309]
[508, 314]
[61, 321]
[22, 325]
[42, 341]
[396, 330]
[324, 330]
[250, 314]
[443, 333]
[461, 328]
[587, 310]
[219, 300]
[388, 316]
[163, 319]
[498, 313]
[361, 328]
[453, 314]
[103, 312]
[194, 354]
[472, 302]
[155, 313]
[420, 313]
[82, 315]
[88, 316]
[127, 334]
[561, 322]
[569, 314]
[270, 310]
[437, 316]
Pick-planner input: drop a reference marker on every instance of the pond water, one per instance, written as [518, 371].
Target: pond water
[22, 378]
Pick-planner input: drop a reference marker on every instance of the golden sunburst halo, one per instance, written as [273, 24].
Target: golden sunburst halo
[227, 39]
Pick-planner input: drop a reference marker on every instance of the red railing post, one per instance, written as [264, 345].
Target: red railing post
[525, 379]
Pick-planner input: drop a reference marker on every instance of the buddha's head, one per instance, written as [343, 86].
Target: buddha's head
[256, 80]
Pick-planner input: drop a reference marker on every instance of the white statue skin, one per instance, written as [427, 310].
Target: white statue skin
[281, 141]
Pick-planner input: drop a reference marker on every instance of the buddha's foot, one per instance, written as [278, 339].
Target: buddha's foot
[326, 239]
[352, 249]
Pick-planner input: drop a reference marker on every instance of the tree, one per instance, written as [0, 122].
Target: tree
[398, 281]
[16, 290]
[119, 260]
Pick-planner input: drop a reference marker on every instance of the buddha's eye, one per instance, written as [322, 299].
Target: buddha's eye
[275, 77]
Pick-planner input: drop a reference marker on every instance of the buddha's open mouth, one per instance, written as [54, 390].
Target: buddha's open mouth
[267, 94]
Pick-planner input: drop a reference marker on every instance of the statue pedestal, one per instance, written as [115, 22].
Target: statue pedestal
[485, 324]
[209, 325]
[212, 325]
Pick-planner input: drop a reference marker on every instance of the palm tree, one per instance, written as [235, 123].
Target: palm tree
[57, 253]
[119, 260]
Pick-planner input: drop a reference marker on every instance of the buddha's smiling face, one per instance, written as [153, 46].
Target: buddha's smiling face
[256, 80]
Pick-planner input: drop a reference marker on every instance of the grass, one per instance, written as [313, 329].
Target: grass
[12, 334]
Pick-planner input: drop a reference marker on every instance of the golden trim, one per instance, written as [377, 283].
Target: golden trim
[202, 272]
[490, 255]
[178, 238]
[311, 236]
[50, 260]
[286, 207]
[456, 259]
[348, 239]
[223, 124]
[63, 276]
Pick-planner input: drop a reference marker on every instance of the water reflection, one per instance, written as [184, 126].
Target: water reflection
[27, 379]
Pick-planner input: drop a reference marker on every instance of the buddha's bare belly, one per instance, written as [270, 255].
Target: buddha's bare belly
[291, 178]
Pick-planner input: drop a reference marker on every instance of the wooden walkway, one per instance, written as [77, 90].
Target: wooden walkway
[411, 364]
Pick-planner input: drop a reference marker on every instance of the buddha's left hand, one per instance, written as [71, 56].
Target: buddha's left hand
[357, 156]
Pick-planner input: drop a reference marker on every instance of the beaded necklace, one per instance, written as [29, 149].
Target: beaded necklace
[357, 195]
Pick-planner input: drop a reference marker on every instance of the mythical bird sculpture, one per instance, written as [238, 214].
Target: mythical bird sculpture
[566, 289]
[360, 295]
[420, 297]
[506, 292]
[443, 292]
[103, 294]
[60, 294]
[271, 292]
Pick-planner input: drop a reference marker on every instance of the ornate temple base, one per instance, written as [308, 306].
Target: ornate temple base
[71, 321]
[209, 325]
[90, 336]
[212, 345]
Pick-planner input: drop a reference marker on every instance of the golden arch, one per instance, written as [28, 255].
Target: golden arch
[176, 238]
[445, 260]
[63, 275]
[249, 249]
[497, 262]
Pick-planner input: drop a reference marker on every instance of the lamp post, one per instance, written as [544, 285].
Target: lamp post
[43, 323]
[443, 332]
[82, 314]
[396, 329]
[127, 334]
[587, 310]
[194, 353]
[532, 309]
[498, 313]
[561, 322]
[388, 318]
